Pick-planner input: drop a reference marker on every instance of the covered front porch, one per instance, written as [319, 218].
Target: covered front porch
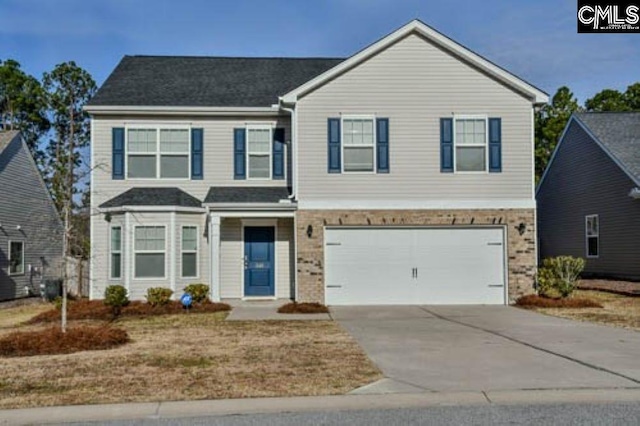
[252, 243]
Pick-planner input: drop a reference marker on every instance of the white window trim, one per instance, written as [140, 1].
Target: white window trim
[135, 252]
[587, 236]
[374, 145]
[112, 252]
[157, 152]
[22, 272]
[486, 143]
[255, 126]
[196, 252]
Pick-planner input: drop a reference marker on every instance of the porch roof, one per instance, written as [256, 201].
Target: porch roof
[247, 195]
[153, 197]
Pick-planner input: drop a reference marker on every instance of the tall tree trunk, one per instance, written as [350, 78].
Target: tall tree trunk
[68, 199]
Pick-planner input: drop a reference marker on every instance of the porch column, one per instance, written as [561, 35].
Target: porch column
[214, 243]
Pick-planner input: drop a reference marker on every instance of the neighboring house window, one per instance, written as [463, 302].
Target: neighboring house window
[149, 247]
[189, 252]
[358, 144]
[116, 253]
[471, 144]
[592, 224]
[259, 152]
[158, 153]
[16, 257]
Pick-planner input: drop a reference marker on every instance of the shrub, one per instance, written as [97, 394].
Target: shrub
[199, 292]
[158, 296]
[303, 308]
[53, 341]
[558, 276]
[534, 301]
[116, 297]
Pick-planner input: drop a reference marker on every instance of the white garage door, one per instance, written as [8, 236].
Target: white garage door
[394, 266]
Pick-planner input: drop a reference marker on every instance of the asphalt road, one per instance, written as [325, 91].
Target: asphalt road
[546, 414]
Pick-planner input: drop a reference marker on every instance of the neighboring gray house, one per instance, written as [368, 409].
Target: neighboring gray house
[400, 175]
[30, 228]
[589, 196]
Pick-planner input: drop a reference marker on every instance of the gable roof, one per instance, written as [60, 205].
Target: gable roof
[6, 137]
[182, 81]
[616, 133]
[152, 197]
[416, 26]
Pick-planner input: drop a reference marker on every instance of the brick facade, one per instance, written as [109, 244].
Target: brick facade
[521, 249]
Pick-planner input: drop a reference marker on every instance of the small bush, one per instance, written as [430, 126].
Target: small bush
[534, 301]
[199, 292]
[558, 276]
[97, 310]
[158, 296]
[303, 308]
[53, 341]
[116, 297]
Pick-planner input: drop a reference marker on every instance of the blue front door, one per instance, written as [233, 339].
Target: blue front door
[259, 261]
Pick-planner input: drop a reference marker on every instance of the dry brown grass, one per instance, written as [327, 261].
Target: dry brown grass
[10, 317]
[193, 356]
[617, 310]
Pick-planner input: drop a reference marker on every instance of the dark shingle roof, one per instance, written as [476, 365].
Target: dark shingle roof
[246, 194]
[619, 132]
[206, 81]
[153, 197]
[6, 137]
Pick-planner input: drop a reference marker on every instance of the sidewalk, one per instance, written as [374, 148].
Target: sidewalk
[226, 407]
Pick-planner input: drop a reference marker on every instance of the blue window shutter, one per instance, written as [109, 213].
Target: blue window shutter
[333, 137]
[239, 153]
[446, 145]
[197, 151]
[382, 144]
[117, 153]
[278, 153]
[495, 145]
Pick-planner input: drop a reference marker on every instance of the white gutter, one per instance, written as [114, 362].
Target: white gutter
[294, 151]
[178, 110]
[635, 193]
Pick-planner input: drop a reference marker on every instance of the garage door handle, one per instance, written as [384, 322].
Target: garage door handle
[494, 244]
[334, 286]
[495, 285]
[334, 244]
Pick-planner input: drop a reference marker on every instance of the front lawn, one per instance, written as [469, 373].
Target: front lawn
[617, 310]
[188, 357]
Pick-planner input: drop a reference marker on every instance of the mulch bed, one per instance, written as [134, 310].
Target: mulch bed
[534, 301]
[53, 341]
[303, 308]
[627, 288]
[96, 310]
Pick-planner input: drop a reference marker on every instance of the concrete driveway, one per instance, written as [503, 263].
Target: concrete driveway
[483, 348]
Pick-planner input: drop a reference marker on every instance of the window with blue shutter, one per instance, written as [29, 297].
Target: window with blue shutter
[197, 151]
[239, 153]
[333, 145]
[278, 153]
[495, 145]
[382, 144]
[117, 153]
[446, 145]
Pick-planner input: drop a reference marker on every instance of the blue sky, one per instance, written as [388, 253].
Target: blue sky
[536, 40]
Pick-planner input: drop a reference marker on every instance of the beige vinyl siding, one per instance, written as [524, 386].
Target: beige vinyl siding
[217, 163]
[232, 252]
[414, 84]
[217, 166]
[231, 285]
[204, 251]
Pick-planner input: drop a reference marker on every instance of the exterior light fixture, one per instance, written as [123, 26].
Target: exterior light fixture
[309, 231]
[521, 228]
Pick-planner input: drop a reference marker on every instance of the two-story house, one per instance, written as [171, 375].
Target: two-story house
[400, 175]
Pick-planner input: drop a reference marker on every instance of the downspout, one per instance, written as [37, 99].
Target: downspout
[294, 190]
